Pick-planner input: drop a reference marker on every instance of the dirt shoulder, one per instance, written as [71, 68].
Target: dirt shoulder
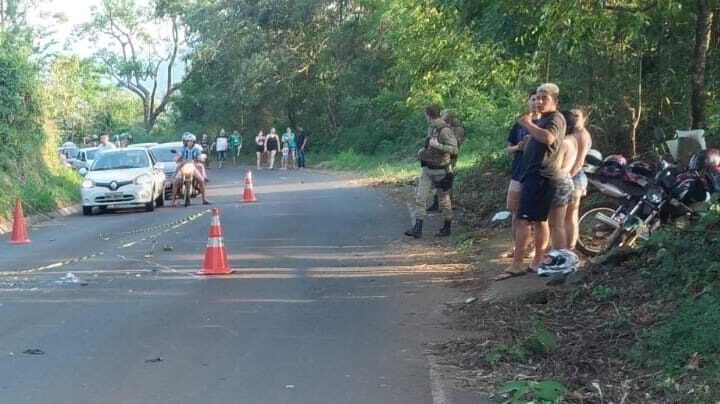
[549, 340]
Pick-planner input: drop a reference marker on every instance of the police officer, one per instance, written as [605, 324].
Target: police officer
[450, 117]
[435, 160]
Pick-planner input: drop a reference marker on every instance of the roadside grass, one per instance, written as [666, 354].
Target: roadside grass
[385, 168]
[687, 275]
[39, 181]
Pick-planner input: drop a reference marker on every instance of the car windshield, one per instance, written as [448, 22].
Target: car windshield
[90, 154]
[121, 160]
[70, 152]
[164, 154]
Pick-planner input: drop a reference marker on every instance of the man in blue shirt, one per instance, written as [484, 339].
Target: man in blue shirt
[517, 139]
[190, 152]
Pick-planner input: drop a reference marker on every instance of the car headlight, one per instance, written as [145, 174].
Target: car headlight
[143, 179]
[654, 195]
[88, 183]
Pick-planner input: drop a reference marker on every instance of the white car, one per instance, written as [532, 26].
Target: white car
[121, 178]
[84, 158]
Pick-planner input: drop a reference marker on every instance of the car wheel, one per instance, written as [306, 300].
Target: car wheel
[150, 206]
[160, 201]
[87, 210]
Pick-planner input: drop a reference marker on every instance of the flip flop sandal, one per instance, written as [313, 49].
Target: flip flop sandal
[509, 274]
[506, 254]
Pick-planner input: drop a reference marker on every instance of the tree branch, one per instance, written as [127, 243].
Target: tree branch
[629, 9]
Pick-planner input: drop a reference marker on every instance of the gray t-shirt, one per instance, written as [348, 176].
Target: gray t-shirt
[540, 158]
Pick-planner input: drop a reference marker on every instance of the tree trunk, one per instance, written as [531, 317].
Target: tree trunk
[699, 62]
[636, 113]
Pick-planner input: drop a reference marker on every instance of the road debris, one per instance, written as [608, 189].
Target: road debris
[500, 216]
[34, 351]
[68, 279]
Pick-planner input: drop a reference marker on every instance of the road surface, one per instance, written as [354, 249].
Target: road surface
[329, 302]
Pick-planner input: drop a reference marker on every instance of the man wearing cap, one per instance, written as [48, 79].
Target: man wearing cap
[538, 182]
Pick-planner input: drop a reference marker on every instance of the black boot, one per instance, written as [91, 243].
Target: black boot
[415, 231]
[435, 205]
[445, 230]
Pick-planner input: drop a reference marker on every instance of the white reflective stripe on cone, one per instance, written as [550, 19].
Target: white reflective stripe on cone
[215, 242]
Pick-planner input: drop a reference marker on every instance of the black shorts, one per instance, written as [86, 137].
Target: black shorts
[536, 198]
[260, 148]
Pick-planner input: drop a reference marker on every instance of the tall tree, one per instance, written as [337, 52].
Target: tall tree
[703, 22]
[141, 51]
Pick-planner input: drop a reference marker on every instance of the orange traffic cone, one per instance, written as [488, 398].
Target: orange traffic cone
[248, 194]
[216, 260]
[19, 232]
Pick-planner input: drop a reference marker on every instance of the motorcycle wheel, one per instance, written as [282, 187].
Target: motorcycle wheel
[594, 235]
[187, 194]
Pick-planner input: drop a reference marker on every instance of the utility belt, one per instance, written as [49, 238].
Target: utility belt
[433, 166]
[446, 182]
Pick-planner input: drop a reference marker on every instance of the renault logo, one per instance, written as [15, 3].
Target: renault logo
[113, 185]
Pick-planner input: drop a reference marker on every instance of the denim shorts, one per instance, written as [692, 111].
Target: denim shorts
[563, 191]
[580, 180]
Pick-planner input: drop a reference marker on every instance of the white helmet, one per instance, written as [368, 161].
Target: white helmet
[593, 161]
[188, 136]
[558, 262]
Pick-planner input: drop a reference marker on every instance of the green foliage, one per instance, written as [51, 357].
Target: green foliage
[690, 331]
[29, 146]
[687, 272]
[688, 261]
[140, 50]
[538, 341]
[602, 293]
[82, 105]
[544, 391]
[20, 112]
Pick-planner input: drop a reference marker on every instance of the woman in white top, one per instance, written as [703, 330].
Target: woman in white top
[563, 186]
[580, 182]
[259, 148]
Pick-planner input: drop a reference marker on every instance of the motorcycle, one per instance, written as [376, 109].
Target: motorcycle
[188, 187]
[621, 185]
[671, 198]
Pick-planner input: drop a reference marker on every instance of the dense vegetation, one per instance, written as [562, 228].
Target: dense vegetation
[29, 167]
[357, 74]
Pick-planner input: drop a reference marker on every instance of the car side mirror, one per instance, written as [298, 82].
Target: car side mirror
[83, 171]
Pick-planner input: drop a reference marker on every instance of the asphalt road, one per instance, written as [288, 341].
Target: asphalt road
[329, 303]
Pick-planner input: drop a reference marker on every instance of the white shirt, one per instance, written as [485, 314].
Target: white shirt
[221, 144]
[105, 146]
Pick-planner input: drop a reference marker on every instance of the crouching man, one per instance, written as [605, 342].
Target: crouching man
[190, 152]
[435, 160]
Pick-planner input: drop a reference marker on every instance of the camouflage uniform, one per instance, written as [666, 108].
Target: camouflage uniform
[436, 169]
